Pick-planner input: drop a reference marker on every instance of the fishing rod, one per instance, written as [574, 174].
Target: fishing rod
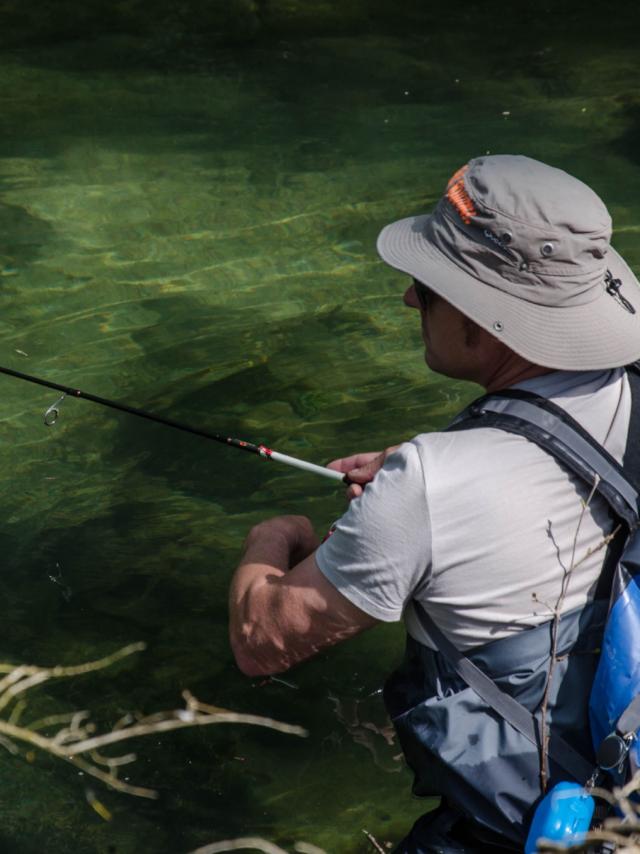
[51, 416]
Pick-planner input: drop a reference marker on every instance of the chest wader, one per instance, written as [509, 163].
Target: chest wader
[469, 724]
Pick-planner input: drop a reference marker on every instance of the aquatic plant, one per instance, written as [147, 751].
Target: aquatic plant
[74, 738]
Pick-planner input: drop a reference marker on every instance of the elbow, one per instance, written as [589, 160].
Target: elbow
[248, 666]
[255, 661]
[257, 643]
[247, 663]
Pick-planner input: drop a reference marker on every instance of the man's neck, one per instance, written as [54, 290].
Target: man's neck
[514, 372]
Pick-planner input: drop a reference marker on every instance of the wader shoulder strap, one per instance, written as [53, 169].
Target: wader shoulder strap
[631, 460]
[506, 706]
[539, 420]
[631, 468]
[629, 720]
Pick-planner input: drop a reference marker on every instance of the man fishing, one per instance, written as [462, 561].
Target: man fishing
[475, 538]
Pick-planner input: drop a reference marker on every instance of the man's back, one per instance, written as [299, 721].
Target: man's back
[498, 523]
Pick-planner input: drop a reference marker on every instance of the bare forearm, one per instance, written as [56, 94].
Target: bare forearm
[255, 597]
[272, 549]
[269, 551]
[260, 559]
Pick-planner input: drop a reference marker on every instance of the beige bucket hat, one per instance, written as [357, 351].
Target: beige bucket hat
[523, 249]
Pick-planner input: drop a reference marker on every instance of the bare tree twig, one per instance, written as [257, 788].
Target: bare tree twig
[251, 843]
[546, 846]
[76, 736]
[307, 848]
[374, 841]
[173, 720]
[22, 678]
[555, 624]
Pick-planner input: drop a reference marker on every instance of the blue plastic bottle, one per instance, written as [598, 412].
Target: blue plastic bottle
[564, 814]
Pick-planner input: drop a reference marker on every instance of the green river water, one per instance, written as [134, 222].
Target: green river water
[189, 227]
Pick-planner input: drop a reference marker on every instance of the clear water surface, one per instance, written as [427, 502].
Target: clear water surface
[193, 232]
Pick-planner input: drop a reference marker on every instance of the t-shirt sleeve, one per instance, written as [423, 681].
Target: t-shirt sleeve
[380, 551]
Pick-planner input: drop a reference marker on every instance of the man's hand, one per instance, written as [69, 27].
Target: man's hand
[282, 541]
[281, 607]
[361, 468]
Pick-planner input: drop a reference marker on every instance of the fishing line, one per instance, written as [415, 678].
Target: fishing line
[52, 413]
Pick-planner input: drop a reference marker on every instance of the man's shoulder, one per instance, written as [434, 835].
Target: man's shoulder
[598, 400]
[466, 451]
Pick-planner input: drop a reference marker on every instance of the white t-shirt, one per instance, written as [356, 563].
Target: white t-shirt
[480, 525]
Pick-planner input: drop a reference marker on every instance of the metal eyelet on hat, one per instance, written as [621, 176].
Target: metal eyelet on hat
[547, 249]
[498, 326]
[506, 237]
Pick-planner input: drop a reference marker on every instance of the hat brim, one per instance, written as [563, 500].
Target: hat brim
[598, 334]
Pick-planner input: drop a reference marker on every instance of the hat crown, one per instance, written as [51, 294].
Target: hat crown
[537, 199]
